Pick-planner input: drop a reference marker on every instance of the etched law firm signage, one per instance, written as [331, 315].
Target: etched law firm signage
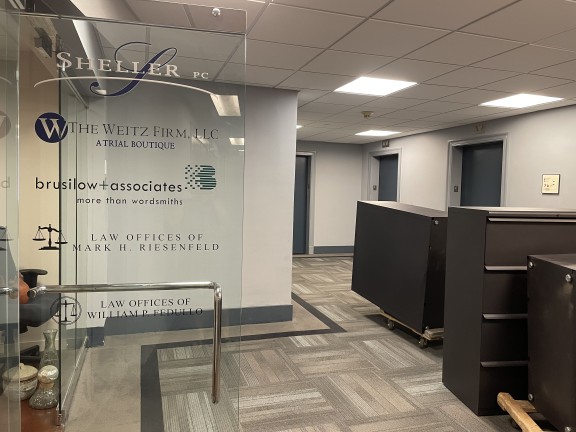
[159, 65]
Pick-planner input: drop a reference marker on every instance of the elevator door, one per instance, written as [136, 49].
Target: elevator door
[301, 203]
[482, 174]
[388, 178]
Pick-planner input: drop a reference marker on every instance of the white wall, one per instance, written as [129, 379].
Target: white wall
[538, 143]
[336, 189]
[268, 196]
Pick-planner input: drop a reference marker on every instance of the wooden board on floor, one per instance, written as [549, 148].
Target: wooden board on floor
[518, 410]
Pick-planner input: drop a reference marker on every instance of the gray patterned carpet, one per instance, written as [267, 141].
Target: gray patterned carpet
[363, 379]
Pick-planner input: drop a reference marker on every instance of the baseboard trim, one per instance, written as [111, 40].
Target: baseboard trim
[333, 249]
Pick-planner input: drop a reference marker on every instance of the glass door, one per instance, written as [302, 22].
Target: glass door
[9, 281]
[147, 187]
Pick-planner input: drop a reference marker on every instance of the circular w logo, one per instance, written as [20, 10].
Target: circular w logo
[51, 127]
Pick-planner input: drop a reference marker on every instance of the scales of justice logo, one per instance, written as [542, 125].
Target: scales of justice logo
[66, 310]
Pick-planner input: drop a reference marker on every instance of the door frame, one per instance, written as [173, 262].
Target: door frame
[454, 176]
[374, 172]
[311, 199]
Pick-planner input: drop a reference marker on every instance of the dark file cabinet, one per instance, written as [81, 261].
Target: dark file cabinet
[485, 321]
[399, 261]
[552, 338]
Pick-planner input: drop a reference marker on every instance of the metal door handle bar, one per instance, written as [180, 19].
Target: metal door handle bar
[122, 287]
[7, 291]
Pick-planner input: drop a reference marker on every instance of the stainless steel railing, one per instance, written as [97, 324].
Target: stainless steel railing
[123, 287]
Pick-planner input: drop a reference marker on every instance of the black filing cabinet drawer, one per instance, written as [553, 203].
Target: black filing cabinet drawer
[493, 380]
[504, 340]
[512, 240]
[504, 293]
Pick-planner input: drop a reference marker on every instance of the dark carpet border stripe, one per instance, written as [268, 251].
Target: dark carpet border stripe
[151, 414]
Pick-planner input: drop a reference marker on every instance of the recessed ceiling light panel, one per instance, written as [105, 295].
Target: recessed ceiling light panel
[237, 141]
[521, 101]
[377, 133]
[374, 86]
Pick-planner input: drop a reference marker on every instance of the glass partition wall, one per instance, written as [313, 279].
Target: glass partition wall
[141, 188]
[9, 299]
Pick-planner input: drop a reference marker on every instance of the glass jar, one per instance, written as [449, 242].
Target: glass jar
[50, 355]
[45, 396]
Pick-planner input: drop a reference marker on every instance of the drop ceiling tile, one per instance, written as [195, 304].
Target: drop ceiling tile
[562, 91]
[435, 13]
[412, 70]
[449, 117]
[266, 76]
[305, 132]
[471, 77]
[328, 124]
[302, 122]
[254, 74]
[354, 140]
[110, 36]
[159, 12]
[564, 40]
[427, 92]
[565, 70]
[476, 111]
[187, 67]
[402, 38]
[354, 129]
[204, 45]
[276, 55]
[381, 122]
[316, 81]
[346, 99]
[476, 96]
[527, 59]
[360, 8]
[330, 135]
[441, 107]
[313, 116]
[463, 49]
[528, 20]
[346, 63]
[298, 26]
[393, 102]
[525, 84]
[305, 96]
[324, 108]
[420, 123]
[359, 112]
[345, 117]
[408, 115]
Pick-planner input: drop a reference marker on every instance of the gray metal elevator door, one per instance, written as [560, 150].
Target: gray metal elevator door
[300, 230]
[482, 174]
[388, 178]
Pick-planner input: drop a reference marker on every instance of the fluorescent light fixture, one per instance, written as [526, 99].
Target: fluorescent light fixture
[298, 126]
[376, 133]
[226, 105]
[237, 141]
[17, 4]
[520, 101]
[374, 86]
